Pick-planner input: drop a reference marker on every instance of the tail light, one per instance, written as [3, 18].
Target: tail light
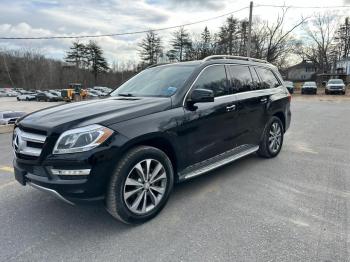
[289, 97]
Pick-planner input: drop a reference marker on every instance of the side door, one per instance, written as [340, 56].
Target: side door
[251, 103]
[206, 129]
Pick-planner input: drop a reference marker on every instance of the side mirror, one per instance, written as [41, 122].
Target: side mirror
[201, 96]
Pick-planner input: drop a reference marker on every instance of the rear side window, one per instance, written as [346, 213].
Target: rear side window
[268, 79]
[241, 79]
[213, 78]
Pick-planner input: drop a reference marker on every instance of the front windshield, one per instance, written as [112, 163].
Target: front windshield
[161, 81]
[335, 81]
[310, 84]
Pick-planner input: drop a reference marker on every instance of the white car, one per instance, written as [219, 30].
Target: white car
[10, 117]
[26, 96]
[309, 88]
[335, 85]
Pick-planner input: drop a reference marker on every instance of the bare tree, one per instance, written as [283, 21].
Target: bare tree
[319, 46]
[272, 41]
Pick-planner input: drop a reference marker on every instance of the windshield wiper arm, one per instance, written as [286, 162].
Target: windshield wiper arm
[126, 94]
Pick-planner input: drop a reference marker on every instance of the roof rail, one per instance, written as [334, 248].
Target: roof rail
[245, 58]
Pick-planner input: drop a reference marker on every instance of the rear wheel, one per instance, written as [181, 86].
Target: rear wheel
[140, 185]
[272, 140]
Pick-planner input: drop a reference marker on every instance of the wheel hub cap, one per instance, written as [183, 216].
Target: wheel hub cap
[145, 186]
[275, 137]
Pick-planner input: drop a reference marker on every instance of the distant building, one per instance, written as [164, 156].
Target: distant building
[343, 66]
[301, 72]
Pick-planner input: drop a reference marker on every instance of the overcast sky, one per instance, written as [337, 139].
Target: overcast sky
[25, 18]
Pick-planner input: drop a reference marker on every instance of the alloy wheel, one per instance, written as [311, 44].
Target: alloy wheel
[145, 186]
[275, 137]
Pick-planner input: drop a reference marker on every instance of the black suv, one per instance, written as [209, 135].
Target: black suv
[167, 124]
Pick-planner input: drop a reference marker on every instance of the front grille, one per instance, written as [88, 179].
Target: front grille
[28, 144]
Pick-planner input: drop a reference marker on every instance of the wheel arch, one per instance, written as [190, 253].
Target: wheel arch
[282, 117]
[159, 141]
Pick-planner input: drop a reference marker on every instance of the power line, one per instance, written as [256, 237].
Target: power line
[170, 27]
[121, 34]
[306, 7]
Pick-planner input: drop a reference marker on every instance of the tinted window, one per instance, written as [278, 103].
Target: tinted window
[241, 79]
[213, 78]
[268, 79]
[256, 81]
[160, 81]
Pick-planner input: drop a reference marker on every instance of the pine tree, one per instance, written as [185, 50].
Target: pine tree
[76, 54]
[97, 63]
[181, 46]
[151, 48]
[227, 37]
[206, 49]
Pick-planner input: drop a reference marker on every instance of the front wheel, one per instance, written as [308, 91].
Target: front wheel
[272, 139]
[140, 185]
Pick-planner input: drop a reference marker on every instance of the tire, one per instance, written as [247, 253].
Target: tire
[302, 92]
[18, 99]
[265, 149]
[121, 199]
[343, 92]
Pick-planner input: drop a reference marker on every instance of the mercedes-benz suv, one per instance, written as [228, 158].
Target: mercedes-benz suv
[167, 124]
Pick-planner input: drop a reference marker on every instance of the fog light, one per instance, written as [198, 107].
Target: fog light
[71, 172]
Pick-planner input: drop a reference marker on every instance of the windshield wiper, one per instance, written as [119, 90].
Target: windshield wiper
[126, 94]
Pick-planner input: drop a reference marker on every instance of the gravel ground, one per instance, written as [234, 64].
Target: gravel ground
[291, 208]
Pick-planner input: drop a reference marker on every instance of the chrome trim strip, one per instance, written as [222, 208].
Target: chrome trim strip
[33, 137]
[51, 192]
[222, 162]
[30, 151]
[74, 172]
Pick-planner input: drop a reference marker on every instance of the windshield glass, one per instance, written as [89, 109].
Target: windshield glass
[161, 81]
[335, 81]
[310, 84]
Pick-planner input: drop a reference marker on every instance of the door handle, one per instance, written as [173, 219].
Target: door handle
[230, 108]
[263, 100]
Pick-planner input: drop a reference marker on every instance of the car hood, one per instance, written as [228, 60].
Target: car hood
[104, 111]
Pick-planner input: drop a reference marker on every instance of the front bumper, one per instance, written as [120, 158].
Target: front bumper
[70, 188]
[309, 90]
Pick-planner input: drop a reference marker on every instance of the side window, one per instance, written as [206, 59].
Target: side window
[241, 79]
[268, 79]
[213, 78]
[256, 82]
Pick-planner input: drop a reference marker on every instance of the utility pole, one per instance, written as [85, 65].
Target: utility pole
[250, 29]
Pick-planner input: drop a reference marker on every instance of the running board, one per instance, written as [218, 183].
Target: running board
[217, 161]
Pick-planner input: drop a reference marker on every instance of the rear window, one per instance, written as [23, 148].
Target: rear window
[268, 79]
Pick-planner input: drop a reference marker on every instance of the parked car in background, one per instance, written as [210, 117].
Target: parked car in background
[10, 117]
[55, 92]
[26, 96]
[290, 86]
[48, 97]
[96, 92]
[335, 86]
[309, 88]
[92, 94]
[103, 89]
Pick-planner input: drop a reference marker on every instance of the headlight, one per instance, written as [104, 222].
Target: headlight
[81, 139]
